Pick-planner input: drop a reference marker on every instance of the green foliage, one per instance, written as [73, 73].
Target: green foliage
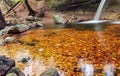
[15, 1]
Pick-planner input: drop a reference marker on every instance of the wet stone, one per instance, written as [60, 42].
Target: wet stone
[50, 72]
[2, 42]
[5, 65]
[16, 71]
[11, 74]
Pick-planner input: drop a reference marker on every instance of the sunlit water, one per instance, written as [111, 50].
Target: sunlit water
[86, 67]
[61, 73]
[94, 22]
[34, 68]
[109, 69]
[115, 22]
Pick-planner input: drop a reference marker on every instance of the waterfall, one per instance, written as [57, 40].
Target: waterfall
[100, 9]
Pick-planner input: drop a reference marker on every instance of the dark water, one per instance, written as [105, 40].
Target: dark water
[80, 27]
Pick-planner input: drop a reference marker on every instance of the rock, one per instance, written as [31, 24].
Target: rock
[5, 64]
[18, 28]
[4, 31]
[16, 71]
[58, 19]
[2, 42]
[35, 25]
[9, 39]
[30, 18]
[22, 27]
[13, 30]
[38, 24]
[11, 74]
[1, 33]
[24, 60]
[50, 72]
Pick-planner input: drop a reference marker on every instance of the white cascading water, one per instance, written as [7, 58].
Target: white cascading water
[97, 15]
[99, 11]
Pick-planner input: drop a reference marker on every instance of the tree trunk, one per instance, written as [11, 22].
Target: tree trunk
[2, 21]
[31, 11]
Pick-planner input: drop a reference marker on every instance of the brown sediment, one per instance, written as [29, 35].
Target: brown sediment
[66, 46]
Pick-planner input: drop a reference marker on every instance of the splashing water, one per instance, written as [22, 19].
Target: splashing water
[34, 68]
[100, 10]
[28, 71]
[81, 64]
[86, 67]
[22, 54]
[109, 69]
[89, 70]
[61, 73]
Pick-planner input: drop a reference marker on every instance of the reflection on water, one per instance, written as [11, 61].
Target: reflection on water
[109, 69]
[34, 68]
[64, 47]
[89, 70]
[93, 26]
[61, 73]
[86, 67]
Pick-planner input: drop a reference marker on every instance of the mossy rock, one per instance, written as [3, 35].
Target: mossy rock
[11, 74]
[50, 72]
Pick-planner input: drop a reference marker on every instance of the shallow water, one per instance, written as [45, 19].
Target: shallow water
[61, 47]
[81, 26]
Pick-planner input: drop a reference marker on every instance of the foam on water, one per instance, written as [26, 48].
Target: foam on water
[115, 22]
[94, 22]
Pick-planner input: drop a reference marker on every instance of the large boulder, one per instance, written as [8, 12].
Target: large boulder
[50, 72]
[35, 25]
[11, 74]
[13, 30]
[2, 42]
[22, 27]
[15, 71]
[18, 28]
[5, 64]
[9, 39]
[0, 33]
[58, 19]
